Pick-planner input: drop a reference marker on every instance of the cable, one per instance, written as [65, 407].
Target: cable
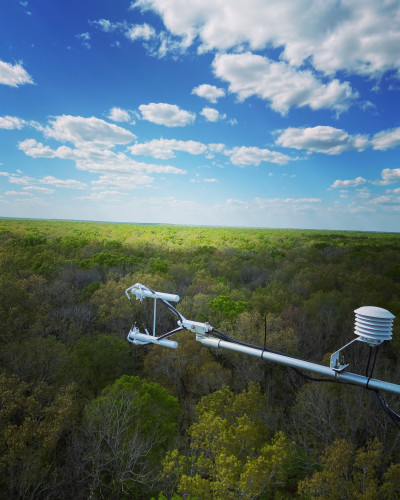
[386, 408]
[172, 308]
[226, 337]
[369, 359]
[395, 417]
[168, 334]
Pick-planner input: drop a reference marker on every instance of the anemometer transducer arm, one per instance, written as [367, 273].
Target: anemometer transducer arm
[373, 326]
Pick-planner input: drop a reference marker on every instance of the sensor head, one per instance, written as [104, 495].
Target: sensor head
[373, 325]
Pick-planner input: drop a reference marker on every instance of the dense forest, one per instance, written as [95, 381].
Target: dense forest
[86, 414]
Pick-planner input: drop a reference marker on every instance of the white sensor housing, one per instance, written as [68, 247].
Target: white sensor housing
[373, 324]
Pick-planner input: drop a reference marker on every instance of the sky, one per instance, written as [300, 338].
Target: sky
[263, 113]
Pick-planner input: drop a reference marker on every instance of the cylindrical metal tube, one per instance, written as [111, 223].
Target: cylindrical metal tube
[142, 338]
[143, 292]
[303, 365]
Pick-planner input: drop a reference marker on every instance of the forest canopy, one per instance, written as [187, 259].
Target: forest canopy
[84, 413]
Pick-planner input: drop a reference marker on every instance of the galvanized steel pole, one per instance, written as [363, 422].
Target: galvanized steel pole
[345, 377]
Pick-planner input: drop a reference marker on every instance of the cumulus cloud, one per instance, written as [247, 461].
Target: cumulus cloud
[143, 31]
[243, 156]
[359, 38]
[95, 160]
[322, 139]
[118, 115]
[17, 193]
[389, 176]
[292, 203]
[88, 132]
[386, 139]
[104, 24]
[165, 148]
[210, 92]
[11, 122]
[121, 181]
[281, 85]
[169, 115]
[31, 184]
[62, 183]
[20, 180]
[348, 183]
[270, 206]
[84, 39]
[157, 44]
[38, 150]
[216, 147]
[105, 196]
[13, 75]
[39, 189]
[212, 115]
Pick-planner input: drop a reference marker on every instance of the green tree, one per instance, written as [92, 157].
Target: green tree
[227, 307]
[33, 423]
[98, 361]
[123, 434]
[232, 454]
[352, 474]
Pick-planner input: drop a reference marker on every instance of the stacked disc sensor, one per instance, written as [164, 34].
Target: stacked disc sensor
[373, 324]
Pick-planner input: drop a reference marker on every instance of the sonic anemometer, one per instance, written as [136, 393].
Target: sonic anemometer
[373, 326]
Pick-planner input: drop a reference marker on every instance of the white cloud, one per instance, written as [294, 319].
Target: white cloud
[17, 193]
[384, 199]
[351, 36]
[243, 156]
[84, 38]
[118, 115]
[16, 179]
[386, 139]
[212, 115]
[210, 92]
[39, 189]
[322, 139]
[156, 44]
[11, 122]
[160, 169]
[143, 31]
[104, 196]
[270, 206]
[104, 24]
[13, 75]
[62, 183]
[280, 84]
[389, 176]
[88, 132]
[216, 148]
[363, 193]
[210, 180]
[37, 150]
[93, 160]
[278, 204]
[164, 148]
[348, 183]
[124, 182]
[169, 115]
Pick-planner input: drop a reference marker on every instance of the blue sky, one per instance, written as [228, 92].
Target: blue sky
[215, 112]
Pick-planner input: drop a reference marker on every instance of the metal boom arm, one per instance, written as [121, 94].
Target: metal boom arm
[373, 326]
